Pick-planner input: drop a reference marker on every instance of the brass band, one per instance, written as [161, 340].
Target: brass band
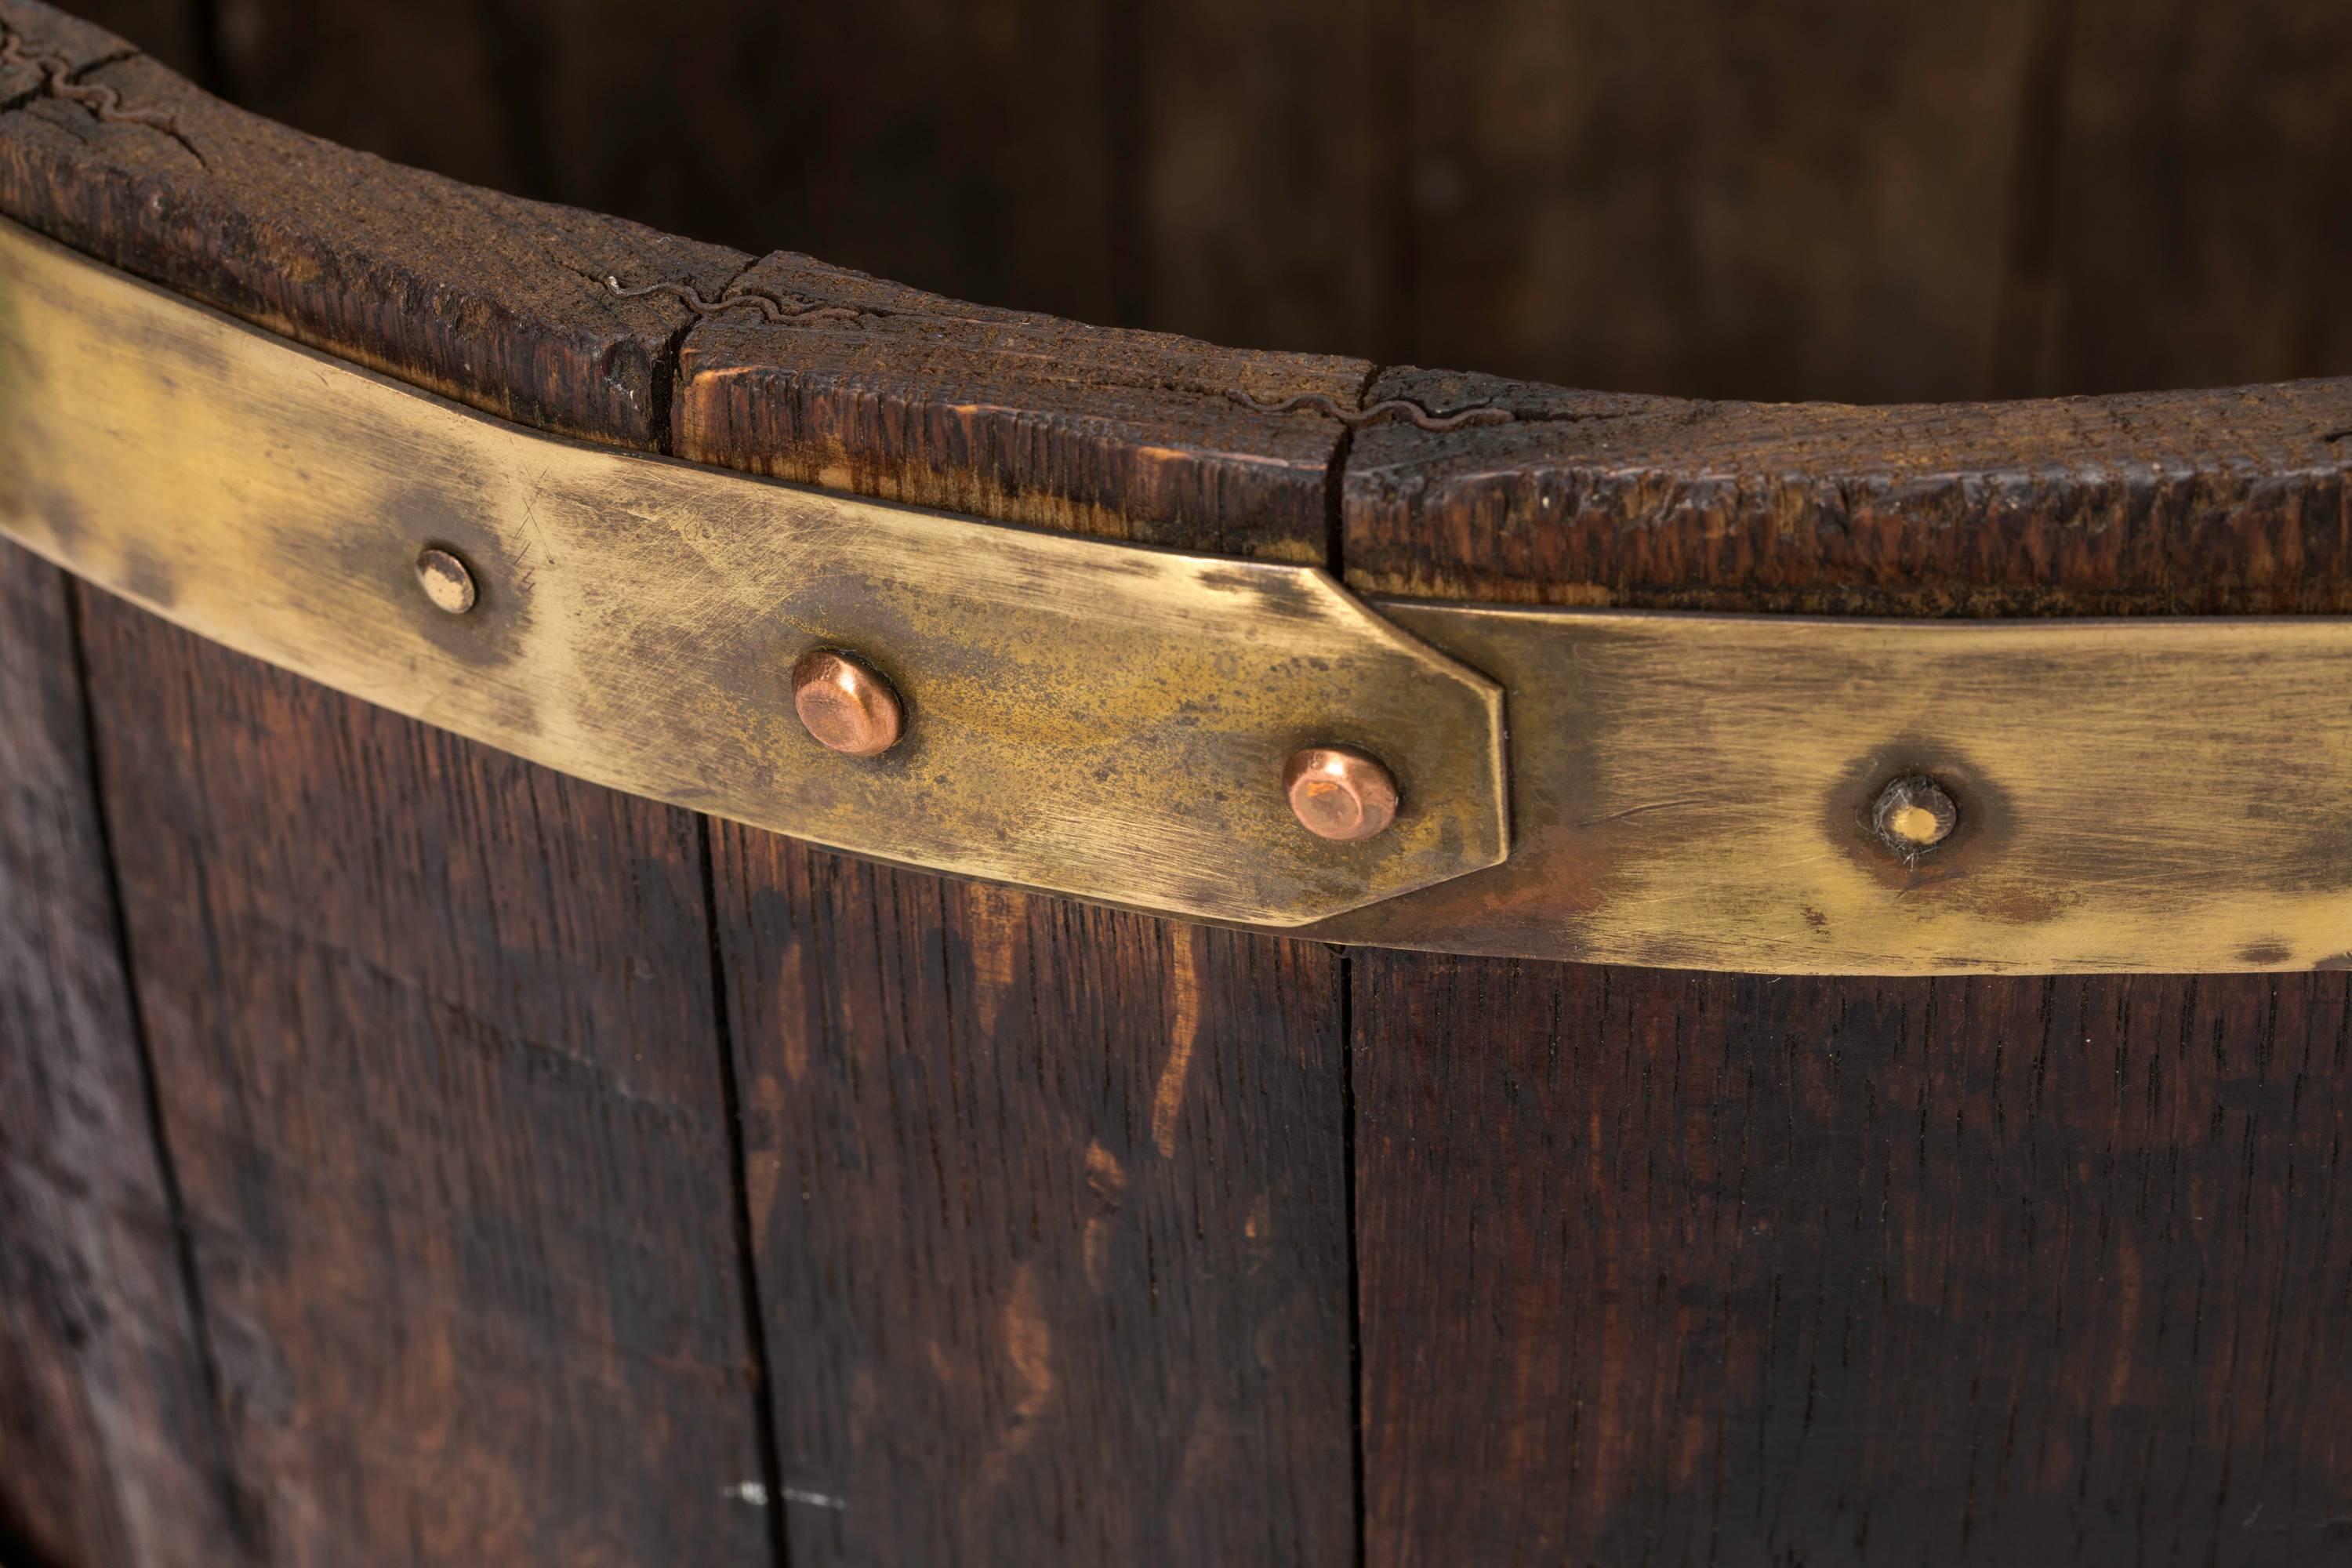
[1230, 740]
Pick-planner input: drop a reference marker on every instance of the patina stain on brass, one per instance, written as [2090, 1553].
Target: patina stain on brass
[1766, 795]
[1699, 792]
[1090, 718]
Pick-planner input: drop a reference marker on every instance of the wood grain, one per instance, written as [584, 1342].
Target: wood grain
[1829, 200]
[110, 1448]
[1048, 1203]
[2227, 502]
[1684, 1268]
[888, 391]
[879, 161]
[491, 300]
[1077, 707]
[1939, 1284]
[1049, 1209]
[435, 1042]
[434, 1036]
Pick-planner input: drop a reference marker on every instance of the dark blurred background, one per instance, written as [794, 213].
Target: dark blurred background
[1858, 199]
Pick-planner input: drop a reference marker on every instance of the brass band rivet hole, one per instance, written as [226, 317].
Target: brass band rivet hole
[446, 580]
[846, 703]
[1913, 815]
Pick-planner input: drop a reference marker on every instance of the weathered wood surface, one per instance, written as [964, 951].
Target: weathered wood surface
[829, 377]
[2221, 502]
[492, 300]
[109, 1444]
[1049, 1206]
[432, 1037]
[1925, 1260]
[1682, 1268]
[1240, 1445]
[435, 1034]
[1993, 198]
[1048, 1203]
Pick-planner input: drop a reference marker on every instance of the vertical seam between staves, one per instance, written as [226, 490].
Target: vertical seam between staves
[240, 1525]
[747, 1258]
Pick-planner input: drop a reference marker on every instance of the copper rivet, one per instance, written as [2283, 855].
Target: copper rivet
[447, 582]
[1340, 792]
[1914, 814]
[845, 704]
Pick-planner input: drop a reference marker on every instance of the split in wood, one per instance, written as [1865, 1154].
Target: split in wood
[770, 307]
[1394, 408]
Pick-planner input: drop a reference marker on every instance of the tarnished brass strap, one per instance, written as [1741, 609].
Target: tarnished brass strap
[1698, 792]
[1095, 718]
[1113, 723]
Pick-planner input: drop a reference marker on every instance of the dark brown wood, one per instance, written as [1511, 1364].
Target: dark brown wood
[886, 391]
[1682, 1268]
[435, 1040]
[2202, 203]
[947, 145]
[1268, 139]
[2229, 502]
[435, 1036]
[177, 32]
[1049, 1205]
[492, 300]
[1753, 201]
[110, 1448]
[1836, 200]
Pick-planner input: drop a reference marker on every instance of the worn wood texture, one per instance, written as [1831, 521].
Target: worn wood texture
[110, 1448]
[868, 386]
[1691, 1268]
[951, 145]
[492, 300]
[2059, 1301]
[435, 1036]
[434, 1040]
[1830, 200]
[2231, 502]
[1049, 1206]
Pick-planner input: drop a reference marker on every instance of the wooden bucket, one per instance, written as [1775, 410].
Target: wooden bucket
[1660, 1144]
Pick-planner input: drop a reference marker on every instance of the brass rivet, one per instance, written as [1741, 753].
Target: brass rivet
[845, 704]
[1340, 792]
[1914, 814]
[447, 582]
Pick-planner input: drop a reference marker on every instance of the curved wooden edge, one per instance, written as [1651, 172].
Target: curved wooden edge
[2209, 502]
[2229, 502]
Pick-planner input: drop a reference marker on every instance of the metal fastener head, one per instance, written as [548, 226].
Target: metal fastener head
[447, 581]
[1340, 792]
[1914, 814]
[845, 704]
